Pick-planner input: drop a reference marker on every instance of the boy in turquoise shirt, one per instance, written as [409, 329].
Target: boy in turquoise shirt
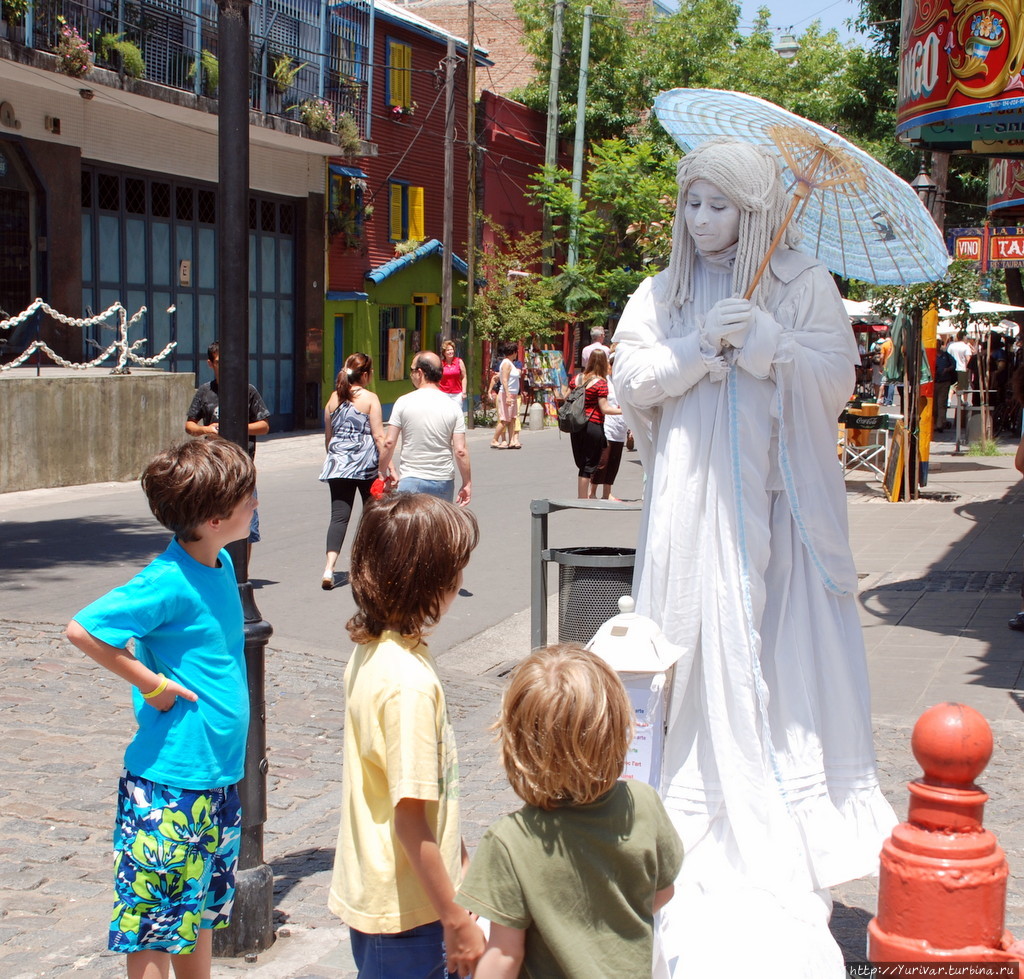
[178, 824]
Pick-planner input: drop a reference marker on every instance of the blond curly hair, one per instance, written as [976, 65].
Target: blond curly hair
[566, 725]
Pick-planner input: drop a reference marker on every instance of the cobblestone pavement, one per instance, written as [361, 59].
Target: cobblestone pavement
[938, 584]
[65, 724]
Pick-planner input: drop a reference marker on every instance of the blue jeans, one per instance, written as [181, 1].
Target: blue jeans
[444, 488]
[414, 954]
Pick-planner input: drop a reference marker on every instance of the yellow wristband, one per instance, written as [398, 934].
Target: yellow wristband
[159, 690]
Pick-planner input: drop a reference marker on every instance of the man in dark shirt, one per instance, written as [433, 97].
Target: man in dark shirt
[204, 419]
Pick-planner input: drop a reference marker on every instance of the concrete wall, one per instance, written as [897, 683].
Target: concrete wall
[64, 429]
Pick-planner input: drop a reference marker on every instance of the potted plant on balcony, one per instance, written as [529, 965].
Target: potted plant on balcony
[125, 54]
[210, 68]
[348, 135]
[283, 71]
[12, 19]
[317, 115]
[74, 56]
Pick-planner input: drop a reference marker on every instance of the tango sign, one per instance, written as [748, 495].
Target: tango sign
[991, 248]
[961, 83]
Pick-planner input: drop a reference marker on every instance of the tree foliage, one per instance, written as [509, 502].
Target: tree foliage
[624, 217]
[624, 224]
[516, 303]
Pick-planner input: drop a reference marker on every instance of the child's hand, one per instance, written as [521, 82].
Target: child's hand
[464, 943]
[164, 700]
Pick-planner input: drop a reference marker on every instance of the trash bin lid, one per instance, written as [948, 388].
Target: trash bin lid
[593, 557]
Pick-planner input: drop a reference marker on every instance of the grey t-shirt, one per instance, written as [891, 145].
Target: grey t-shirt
[580, 881]
[428, 419]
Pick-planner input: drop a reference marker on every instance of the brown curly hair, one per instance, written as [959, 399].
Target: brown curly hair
[406, 559]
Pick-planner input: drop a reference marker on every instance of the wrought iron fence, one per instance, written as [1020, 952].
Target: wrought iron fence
[300, 49]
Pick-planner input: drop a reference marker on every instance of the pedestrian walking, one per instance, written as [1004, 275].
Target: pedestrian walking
[204, 419]
[433, 433]
[354, 435]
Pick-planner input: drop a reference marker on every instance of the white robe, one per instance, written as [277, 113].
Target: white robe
[744, 561]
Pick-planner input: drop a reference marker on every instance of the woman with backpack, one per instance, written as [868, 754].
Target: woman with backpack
[589, 442]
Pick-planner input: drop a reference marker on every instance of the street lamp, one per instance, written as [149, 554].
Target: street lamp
[787, 46]
[925, 188]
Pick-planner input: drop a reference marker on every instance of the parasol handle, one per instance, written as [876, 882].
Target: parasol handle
[799, 193]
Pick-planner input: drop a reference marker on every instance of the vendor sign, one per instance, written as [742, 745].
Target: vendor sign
[960, 76]
[991, 248]
[1005, 184]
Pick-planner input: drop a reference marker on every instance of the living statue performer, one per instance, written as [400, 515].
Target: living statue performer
[744, 561]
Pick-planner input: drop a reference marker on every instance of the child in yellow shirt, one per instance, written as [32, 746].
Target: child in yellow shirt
[400, 854]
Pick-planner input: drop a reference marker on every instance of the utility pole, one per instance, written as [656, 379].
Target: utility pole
[577, 146]
[252, 923]
[551, 140]
[471, 233]
[449, 191]
[577, 165]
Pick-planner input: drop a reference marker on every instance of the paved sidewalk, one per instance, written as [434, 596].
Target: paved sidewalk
[939, 580]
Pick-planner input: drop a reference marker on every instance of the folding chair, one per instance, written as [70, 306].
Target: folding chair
[864, 441]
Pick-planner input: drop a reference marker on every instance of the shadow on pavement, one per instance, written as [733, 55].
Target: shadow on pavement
[290, 869]
[970, 591]
[47, 545]
[849, 926]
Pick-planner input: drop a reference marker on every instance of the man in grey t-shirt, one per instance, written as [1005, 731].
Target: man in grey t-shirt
[433, 434]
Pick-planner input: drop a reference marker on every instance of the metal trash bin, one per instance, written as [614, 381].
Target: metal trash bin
[591, 580]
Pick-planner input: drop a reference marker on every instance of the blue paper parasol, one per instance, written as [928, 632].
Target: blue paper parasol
[857, 216]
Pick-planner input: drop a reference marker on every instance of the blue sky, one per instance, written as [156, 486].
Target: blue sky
[798, 14]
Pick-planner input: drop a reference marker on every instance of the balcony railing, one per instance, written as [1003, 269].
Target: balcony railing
[301, 49]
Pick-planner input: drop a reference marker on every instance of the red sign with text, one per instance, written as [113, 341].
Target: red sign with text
[959, 60]
[991, 248]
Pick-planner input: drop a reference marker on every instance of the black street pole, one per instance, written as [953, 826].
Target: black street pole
[251, 928]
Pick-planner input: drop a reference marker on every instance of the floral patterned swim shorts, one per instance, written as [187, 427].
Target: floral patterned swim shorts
[175, 854]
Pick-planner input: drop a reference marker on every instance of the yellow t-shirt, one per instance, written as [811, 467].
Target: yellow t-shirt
[399, 744]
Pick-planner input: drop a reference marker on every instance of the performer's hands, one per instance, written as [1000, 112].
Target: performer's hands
[728, 323]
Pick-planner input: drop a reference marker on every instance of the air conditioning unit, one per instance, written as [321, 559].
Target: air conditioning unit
[425, 299]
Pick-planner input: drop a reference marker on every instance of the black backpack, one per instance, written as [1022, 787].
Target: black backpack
[572, 413]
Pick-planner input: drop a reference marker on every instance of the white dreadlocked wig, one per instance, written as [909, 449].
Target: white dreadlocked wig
[750, 177]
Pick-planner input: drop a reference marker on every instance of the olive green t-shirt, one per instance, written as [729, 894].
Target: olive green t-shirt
[580, 881]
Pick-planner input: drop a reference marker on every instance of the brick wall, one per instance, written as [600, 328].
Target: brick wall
[497, 29]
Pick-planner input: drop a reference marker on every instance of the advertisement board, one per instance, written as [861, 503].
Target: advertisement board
[960, 76]
[991, 248]
[1005, 184]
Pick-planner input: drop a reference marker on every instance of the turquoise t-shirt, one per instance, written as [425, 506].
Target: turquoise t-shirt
[186, 620]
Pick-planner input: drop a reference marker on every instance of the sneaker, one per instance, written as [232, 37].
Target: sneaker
[1017, 622]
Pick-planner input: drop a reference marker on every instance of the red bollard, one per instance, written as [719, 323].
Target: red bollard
[942, 884]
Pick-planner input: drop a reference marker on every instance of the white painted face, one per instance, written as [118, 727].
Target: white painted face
[711, 218]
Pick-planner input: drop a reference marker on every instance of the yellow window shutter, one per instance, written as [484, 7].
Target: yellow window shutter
[396, 212]
[406, 83]
[395, 65]
[416, 222]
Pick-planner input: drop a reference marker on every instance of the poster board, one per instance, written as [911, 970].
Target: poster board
[894, 464]
[396, 354]
[550, 381]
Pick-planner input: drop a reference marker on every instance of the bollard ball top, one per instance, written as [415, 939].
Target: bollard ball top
[952, 743]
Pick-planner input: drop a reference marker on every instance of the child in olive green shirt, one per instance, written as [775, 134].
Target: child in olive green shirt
[571, 881]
